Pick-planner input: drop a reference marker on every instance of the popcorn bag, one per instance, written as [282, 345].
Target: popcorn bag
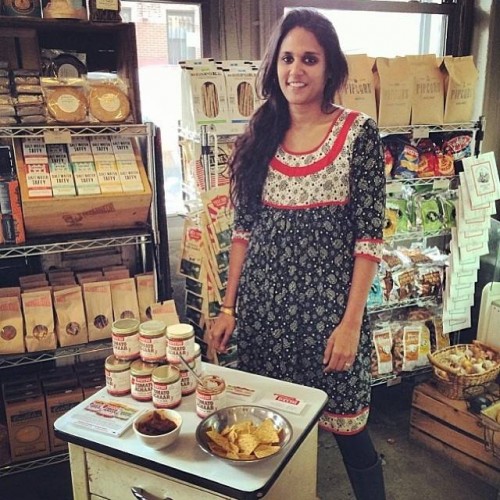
[359, 91]
[428, 93]
[460, 80]
[393, 89]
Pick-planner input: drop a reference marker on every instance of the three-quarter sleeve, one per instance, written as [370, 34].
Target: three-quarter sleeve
[368, 192]
[244, 220]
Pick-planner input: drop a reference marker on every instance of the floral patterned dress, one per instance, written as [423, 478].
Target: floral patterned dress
[321, 209]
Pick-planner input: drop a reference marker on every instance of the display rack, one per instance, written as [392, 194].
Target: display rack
[76, 244]
[55, 459]
[14, 360]
[421, 131]
[145, 239]
[107, 47]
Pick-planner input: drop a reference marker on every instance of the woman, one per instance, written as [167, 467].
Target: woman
[308, 184]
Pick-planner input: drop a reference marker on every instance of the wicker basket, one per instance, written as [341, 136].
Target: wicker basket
[456, 386]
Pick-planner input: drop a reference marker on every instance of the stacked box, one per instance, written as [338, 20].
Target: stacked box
[26, 420]
[126, 163]
[61, 175]
[37, 168]
[105, 165]
[61, 394]
[82, 164]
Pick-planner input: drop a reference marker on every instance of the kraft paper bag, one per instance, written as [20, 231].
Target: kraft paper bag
[460, 80]
[393, 88]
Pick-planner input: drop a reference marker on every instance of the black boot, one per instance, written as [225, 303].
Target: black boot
[368, 484]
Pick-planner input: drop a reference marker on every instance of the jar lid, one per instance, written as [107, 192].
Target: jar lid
[180, 331]
[124, 326]
[166, 373]
[152, 328]
[139, 367]
[114, 364]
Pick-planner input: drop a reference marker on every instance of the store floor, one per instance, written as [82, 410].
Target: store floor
[411, 471]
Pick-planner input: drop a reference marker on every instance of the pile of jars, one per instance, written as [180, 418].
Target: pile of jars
[146, 362]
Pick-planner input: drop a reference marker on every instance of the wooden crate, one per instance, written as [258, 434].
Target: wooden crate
[82, 214]
[446, 427]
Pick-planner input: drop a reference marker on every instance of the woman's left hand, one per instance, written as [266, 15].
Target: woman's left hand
[341, 348]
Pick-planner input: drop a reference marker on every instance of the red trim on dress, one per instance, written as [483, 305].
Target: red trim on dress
[239, 239]
[322, 162]
[368, 256]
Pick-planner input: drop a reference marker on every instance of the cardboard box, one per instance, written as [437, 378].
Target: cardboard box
[60, 397]
[82, 214]
[26, 422]
[91, 384]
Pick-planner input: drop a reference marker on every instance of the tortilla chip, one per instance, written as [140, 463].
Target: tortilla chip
[245, 440]
[264, 450]
[266, 432]
[247, 443]
[219, 440]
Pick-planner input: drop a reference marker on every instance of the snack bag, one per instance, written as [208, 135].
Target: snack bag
[108, 100]
[382, 351]
[66, 100]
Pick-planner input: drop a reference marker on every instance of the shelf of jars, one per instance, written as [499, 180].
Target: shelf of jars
[14, 360]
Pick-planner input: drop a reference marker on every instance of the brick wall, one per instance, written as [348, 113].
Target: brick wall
[151, 43]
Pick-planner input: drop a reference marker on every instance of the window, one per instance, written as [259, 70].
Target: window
[391, 28]
[388, 34]
[166, 34]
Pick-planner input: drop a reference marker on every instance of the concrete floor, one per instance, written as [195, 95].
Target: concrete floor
[411, 471]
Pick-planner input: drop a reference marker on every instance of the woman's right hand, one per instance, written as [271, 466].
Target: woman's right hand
[221, 331]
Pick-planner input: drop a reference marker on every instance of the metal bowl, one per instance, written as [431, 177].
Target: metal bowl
[235, 414]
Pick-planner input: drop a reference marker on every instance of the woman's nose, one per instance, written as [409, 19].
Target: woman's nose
[297, 67]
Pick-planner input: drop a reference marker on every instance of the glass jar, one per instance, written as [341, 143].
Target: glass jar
[180, 342]
[141, 383]
[210, 395]
[117, 374]
[152, 341]
[125, 339]
[167, 391]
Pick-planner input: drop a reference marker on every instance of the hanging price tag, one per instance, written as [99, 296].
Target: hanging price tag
[57, 137]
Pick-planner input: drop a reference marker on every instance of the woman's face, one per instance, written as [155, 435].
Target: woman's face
[301, 68]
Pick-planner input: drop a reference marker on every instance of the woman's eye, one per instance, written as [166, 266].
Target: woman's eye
[310, 60]
[287, 59]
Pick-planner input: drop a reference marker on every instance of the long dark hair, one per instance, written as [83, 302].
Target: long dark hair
[255, 148]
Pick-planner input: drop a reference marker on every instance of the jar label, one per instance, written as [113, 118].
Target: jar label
[153, 349]
[126, 346]
[141, 387]
[188, 383]
[167, 395]
[176, 348]
[118, 383]
[206, 404]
